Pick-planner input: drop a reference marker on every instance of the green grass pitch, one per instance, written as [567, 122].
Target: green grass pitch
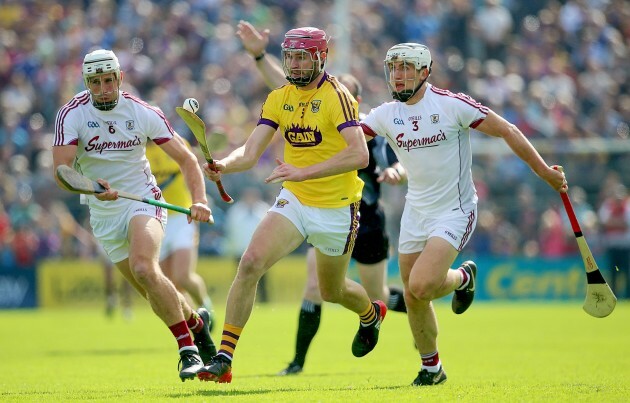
[495, 352]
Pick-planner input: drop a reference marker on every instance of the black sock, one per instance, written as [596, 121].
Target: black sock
[396, 300]
[308, 324]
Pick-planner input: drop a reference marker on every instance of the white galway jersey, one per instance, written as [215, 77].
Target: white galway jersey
[432, 141]
[112, 144]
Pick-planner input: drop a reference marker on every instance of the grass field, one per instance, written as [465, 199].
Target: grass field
[494, 353]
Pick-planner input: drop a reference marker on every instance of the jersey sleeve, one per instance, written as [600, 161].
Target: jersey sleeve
[269, 114]
[158, 128]
[344, 109]
[68, 123]
[370, 124]
[469, 113]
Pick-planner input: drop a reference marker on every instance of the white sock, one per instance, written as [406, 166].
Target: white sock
[433, 368]
[463, 275]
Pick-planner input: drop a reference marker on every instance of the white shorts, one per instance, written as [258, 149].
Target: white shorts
[416, 228]
[178, 235]
[111, 230]
[331, 230]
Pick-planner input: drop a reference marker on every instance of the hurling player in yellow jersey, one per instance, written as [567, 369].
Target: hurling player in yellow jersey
[324, 147]
[178, 253]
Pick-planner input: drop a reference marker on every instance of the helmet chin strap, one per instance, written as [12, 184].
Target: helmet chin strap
[105, 106]
[403, 96]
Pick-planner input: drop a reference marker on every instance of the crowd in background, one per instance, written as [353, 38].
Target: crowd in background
[559, 70]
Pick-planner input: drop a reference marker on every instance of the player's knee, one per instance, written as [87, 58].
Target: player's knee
[250, 268]
[144, 271]
[330, 294]
[419, 291]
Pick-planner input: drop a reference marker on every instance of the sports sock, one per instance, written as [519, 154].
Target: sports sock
[195, 322]
[229, 339]
[431, 362]
[308, 324]
[182, 334]
[368, 316]
[465, 278]
[396, 300]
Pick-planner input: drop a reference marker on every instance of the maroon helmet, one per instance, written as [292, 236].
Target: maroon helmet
[305, 40]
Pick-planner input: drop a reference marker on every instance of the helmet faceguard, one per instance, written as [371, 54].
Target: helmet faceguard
[99, 64]
[310, 44]
[413, 54]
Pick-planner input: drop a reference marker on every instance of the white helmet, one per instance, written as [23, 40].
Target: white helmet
[414, 53]
[101, 61]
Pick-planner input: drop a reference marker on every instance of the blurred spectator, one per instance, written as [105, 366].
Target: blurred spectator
[614, 214]
[559, 70]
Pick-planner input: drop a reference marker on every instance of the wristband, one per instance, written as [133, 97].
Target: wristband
[259, 57]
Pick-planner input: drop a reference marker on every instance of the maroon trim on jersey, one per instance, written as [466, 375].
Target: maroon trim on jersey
[462, 97]
[368, 130]
[263, 121]
[476, 123]
[157, 195]
[63, 112]
[469, 229]
[162, 140]
[348, 124]
[151, 107]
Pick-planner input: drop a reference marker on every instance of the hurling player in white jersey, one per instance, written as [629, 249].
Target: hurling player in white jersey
[429, 130]
[103, 132]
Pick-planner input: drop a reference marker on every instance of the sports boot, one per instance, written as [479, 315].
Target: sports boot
[189, 363]
[293, 369]
[367, 336]
[463, 298]
[426, 378]
[219, 369]
[203, 340]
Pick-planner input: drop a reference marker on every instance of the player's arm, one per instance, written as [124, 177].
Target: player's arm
[63, 155]
[189, 165]
[244, 157]
[354, 156]
[255, 43]
[392, 172]
[496, 126]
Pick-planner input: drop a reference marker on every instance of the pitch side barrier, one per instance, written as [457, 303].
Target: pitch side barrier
[59, 283]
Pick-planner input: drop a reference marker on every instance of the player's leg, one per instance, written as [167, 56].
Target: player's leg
[275, 237]
[110, 286]
[145, 234]
[426, 277]
[309, 318]
[177, 259]
[374, 279]
[428, 246]
[335, 287]
[370, 253]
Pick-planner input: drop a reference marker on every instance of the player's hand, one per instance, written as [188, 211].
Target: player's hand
[554, 176]
[200, 212]
[253, 41]
[284, 172]
[109, 195]
[391, 176]
[213, 171]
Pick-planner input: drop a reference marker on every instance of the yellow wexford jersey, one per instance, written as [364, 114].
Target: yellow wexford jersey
[168, 176]
[310, 122]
